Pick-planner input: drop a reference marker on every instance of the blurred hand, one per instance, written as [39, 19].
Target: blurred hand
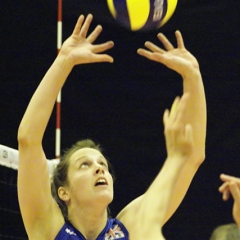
[225, 188]
[178, 135]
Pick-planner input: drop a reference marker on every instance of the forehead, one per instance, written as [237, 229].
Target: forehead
[86, 153]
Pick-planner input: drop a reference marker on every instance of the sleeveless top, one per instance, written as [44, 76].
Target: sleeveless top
[114, 229]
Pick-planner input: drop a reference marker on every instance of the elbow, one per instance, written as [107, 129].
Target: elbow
[199, 158]
[23, 137]
[199, 153]
[27, 137]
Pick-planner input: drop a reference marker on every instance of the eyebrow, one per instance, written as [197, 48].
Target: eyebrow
[81, 159]
[85, 157]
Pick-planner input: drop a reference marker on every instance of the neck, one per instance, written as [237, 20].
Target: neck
[89, 221]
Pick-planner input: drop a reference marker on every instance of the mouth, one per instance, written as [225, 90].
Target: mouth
[101, 182]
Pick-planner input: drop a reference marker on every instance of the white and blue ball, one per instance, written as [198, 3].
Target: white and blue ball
[142, 14]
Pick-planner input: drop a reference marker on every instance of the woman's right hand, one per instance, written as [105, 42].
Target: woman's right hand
[79, 48]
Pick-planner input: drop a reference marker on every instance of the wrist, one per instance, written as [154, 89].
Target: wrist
[176, 160]
[64, 62]
[192, 73]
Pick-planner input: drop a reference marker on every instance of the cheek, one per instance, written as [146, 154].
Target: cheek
[79, 181]
[112, 188]
[110, 180]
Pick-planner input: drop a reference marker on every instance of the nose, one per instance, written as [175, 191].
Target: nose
[99, 169]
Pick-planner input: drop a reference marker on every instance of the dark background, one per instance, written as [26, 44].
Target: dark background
[120, 105]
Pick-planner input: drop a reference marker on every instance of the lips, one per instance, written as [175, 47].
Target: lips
[101, 181]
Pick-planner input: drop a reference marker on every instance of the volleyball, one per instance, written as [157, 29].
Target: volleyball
[142, 15]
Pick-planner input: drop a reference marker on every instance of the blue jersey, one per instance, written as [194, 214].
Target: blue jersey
[114, 229]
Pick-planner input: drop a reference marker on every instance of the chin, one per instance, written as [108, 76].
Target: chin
[107, 198]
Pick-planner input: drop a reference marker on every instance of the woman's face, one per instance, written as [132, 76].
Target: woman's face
[89, 178]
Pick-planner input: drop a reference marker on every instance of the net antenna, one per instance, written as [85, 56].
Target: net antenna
[58, 101]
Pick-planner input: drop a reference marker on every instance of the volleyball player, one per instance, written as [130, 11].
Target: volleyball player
[77, 209]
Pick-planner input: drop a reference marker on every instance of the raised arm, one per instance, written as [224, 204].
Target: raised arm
[148, 210]
[183, 62]
[34, 191]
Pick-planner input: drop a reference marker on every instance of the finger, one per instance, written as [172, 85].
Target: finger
[102, 47]
[225, 177]
[154, 48]
[223, 187]
[165, 42]
[86, 25]
[143, 52]
[165, 117]
[225, 195]
[78, 25]
[150, 55]
[101, 58]
[228, 178]
[174, 108]
[94, 34]
[179, 38]
[234, 189]
[179, 109]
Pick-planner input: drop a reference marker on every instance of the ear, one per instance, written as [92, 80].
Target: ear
[63, 194]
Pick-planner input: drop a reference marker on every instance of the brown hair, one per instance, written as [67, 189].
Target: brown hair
[60, 175]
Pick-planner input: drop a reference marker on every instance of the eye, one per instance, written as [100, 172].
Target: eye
[104, 164]
[84, 165]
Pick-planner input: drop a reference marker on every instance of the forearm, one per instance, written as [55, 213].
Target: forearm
[196, 114]
[183, 181]
[160, 192]
[39, 110]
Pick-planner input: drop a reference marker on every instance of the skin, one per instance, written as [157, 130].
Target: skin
[152, 207]
[87, 165]
[183, 62]
[85, 199]
[231, 187]
[33, 180]
[185, 127]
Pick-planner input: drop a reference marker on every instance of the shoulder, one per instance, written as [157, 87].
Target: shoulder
[130, 212]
